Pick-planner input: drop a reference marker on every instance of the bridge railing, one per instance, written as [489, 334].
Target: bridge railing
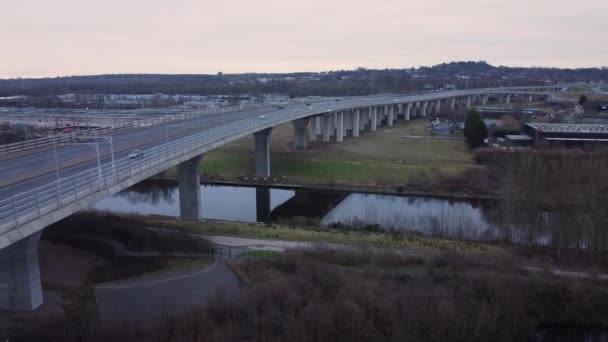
[27, 206]
[135, 123]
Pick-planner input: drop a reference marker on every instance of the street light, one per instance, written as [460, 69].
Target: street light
[95, 146]
[110, 141]
[166, 136]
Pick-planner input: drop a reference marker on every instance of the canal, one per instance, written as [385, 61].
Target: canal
[460, 219]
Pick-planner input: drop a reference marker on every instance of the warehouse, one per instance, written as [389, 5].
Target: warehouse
[567, 133]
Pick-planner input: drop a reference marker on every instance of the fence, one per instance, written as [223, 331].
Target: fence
[240, 253]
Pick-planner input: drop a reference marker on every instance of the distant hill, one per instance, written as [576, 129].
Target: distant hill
[361, 81]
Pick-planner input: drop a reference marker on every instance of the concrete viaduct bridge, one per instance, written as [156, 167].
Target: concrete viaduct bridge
[44, 185]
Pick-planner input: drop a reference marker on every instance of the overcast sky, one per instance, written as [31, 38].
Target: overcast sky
[75, 37]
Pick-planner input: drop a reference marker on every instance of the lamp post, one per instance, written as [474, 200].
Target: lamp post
[57, 173]
[95, 146]
[110, 141]
[166, 136]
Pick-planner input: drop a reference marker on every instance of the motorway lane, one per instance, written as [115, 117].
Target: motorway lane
[43, 163]
[38, 168]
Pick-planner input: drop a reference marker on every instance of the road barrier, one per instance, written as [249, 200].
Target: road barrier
[30, 205]
[135, 123]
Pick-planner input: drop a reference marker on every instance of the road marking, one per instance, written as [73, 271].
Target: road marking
[115, 285]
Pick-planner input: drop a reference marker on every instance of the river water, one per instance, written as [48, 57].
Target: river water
[462, 219]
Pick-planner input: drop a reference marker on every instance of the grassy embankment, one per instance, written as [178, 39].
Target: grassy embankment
[372, 238]
[392, 156]
[117, 240]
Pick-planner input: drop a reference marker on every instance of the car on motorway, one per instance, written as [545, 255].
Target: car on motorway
[263, 116]
[136, 154]
[280, 107]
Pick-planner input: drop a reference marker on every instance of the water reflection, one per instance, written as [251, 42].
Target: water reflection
[218, 202]
[429, 216]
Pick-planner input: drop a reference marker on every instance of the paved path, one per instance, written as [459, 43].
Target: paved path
[176, 292]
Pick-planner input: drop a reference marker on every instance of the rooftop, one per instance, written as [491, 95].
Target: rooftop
[570, 128]
[519, 137]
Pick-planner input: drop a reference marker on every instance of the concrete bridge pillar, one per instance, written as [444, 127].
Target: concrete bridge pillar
[408, 111]
[262, 204]
[326, 127]
[530, 98]
[438, 107]
[424, 108]
[318, 125]
[299, 133]
[374, 118]
[262, 152]
[189, 183]
[356, 122]
[508, 99]
[20, 288]
[348, 121]
[469, 98]
[453, 103]
[484, 99]
[340, 127]
[391, 115]
[312, 129]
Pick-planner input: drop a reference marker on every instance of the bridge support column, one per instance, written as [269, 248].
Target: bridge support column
[356, 122]
[20, 288]
[350, 117]
[484, 99]
[391, 115]
[508, 99]
[530, 98]
[438, 107]
[262, 152]
[453, 104]
[374, 118]
[189, 179]
[318, 125]
[469, 102]
[299, 133]
[312, 129]
[424, 106]
[262, 204]
[326, 127]
[340, 127]
[408, 111]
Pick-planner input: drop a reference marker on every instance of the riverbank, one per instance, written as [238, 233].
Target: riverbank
[297, 232]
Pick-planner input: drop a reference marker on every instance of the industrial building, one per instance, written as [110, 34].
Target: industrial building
[567, 133]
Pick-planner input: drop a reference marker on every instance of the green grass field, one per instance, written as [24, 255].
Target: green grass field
[389, 156]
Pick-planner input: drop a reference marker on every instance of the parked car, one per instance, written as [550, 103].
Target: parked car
[263, 116]
[136, 154]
